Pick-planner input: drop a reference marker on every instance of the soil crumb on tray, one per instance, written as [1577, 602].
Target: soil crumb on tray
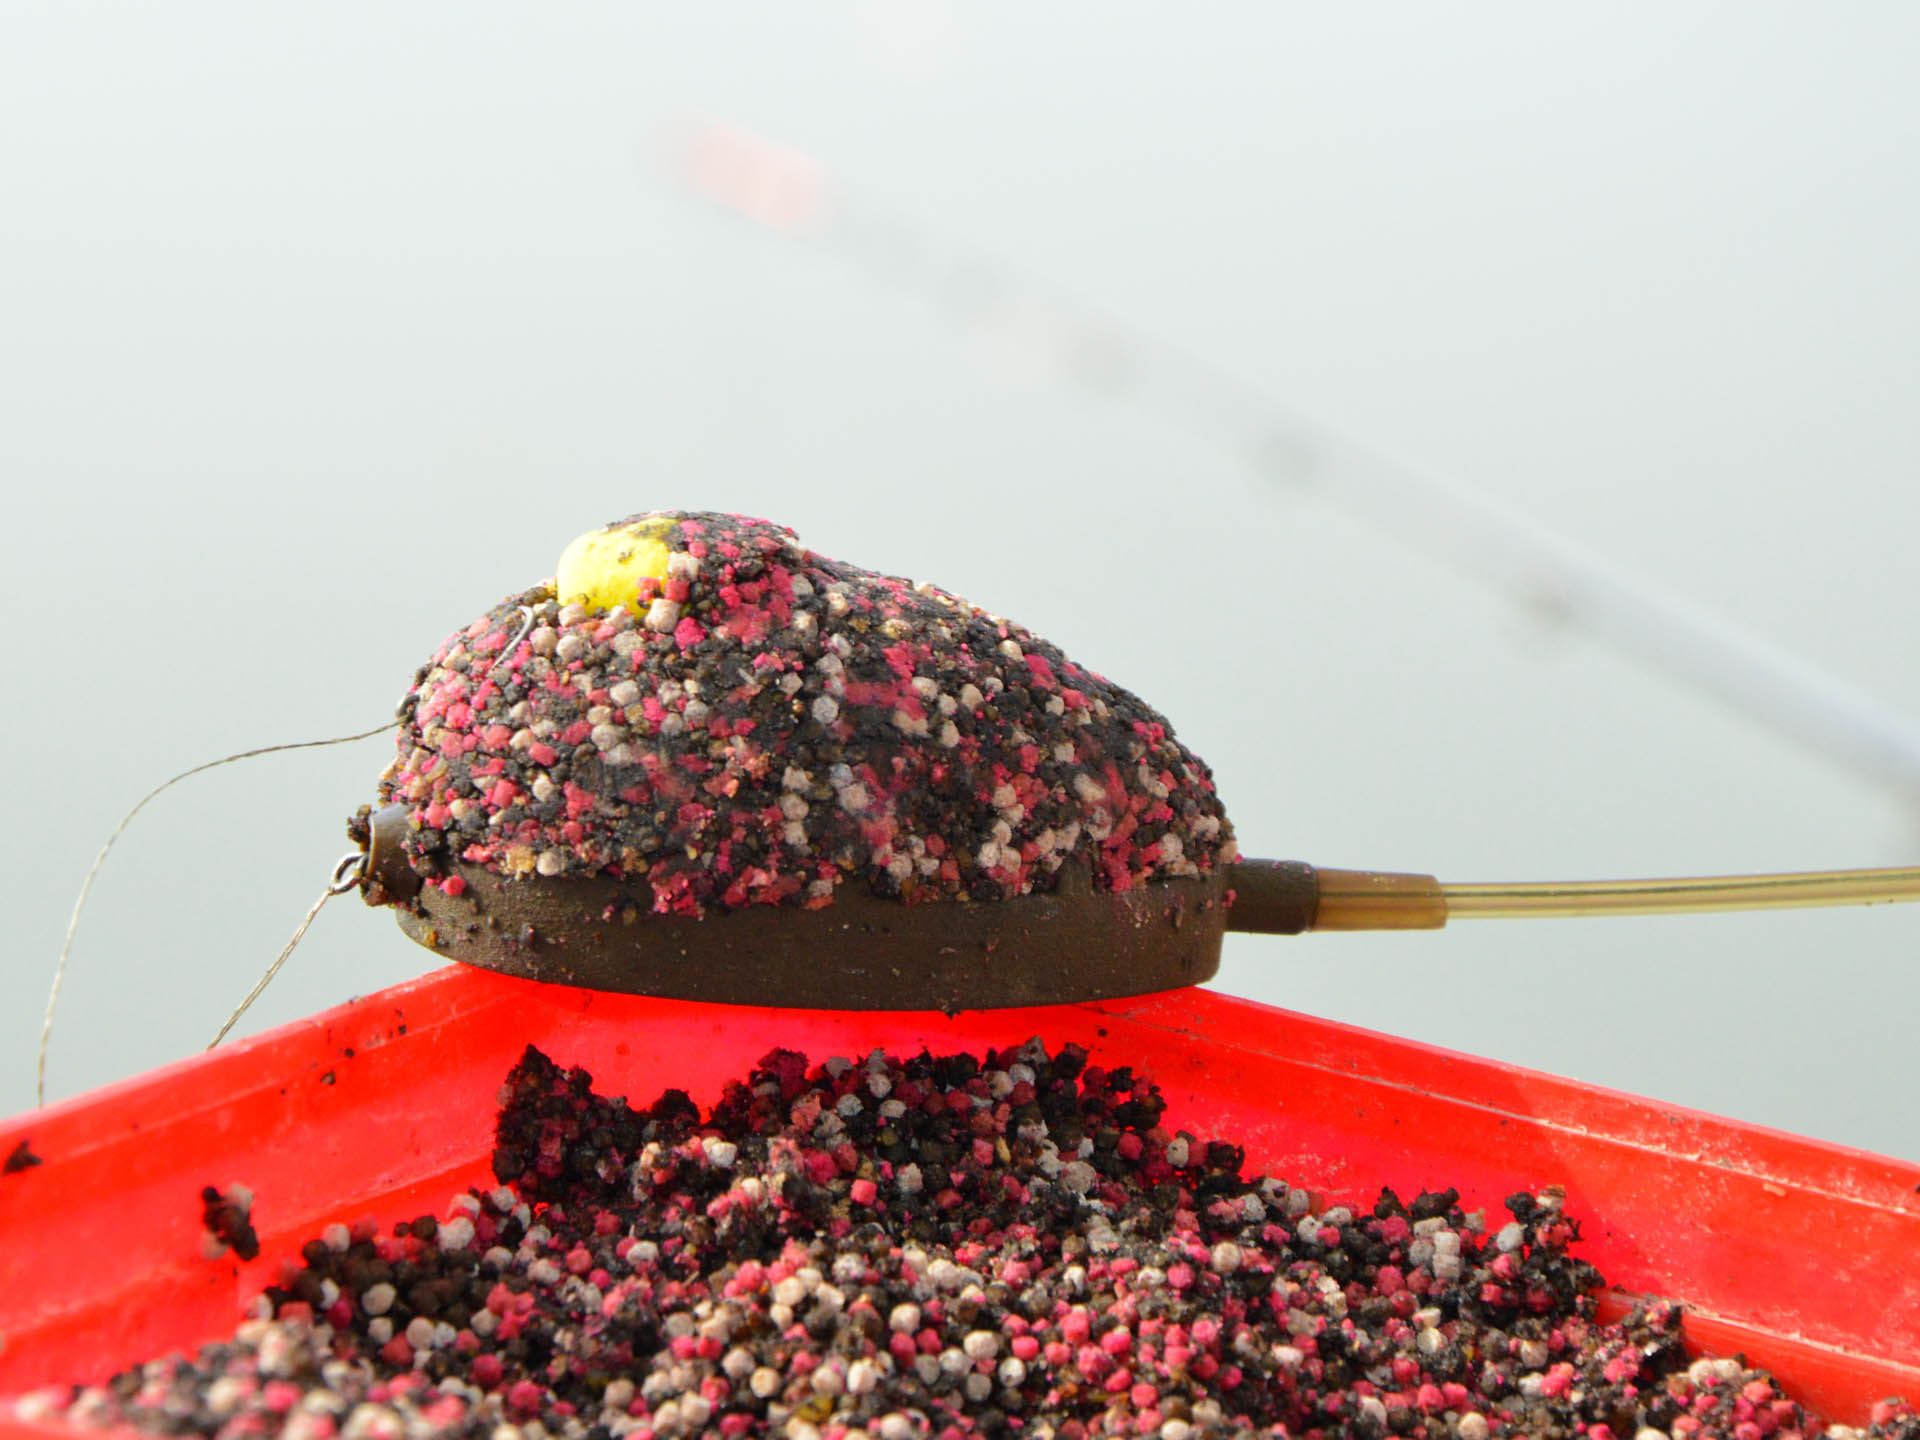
[227, 1217]
[940, 1246]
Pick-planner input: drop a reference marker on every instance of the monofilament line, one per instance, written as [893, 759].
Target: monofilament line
[86, 885]
[346, 875]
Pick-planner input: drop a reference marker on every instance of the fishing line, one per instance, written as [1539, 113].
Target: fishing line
[86, 888]
[346, 875]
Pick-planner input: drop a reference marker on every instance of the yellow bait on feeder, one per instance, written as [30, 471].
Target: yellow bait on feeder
[602, 569]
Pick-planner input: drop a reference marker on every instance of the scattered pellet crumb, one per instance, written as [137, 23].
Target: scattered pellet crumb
[227, 1216]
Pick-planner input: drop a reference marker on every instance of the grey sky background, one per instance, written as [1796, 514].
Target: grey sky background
[320, 329]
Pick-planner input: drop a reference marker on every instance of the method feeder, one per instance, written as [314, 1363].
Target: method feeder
[707, 763]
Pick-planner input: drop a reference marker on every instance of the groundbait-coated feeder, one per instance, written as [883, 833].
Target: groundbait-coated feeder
[705, 762]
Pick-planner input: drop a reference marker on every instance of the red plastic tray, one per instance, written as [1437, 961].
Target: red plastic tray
[1803, 1255]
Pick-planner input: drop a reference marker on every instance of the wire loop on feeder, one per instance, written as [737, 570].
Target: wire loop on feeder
[526, 628]
[349, 872]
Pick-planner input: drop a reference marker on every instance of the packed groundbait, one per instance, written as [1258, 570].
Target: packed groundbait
[938, 1246]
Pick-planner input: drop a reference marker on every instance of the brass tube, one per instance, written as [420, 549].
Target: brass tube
[1379, 900]
[1681, 895]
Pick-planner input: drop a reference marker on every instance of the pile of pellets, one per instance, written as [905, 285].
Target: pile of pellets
[937, 1246]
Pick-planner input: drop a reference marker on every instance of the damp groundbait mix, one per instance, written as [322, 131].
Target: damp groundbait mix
[738, 720]
[1007, 1244]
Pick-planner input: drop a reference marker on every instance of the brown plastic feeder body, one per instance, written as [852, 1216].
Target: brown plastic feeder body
[861, 951]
